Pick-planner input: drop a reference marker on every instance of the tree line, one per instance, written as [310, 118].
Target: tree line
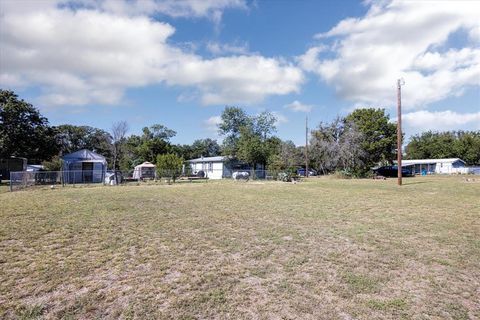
[351, 144]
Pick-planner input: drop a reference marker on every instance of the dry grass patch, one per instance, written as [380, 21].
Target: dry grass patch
[322, 249]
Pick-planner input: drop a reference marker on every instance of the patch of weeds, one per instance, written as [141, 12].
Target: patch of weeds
[30, 312]
[398, 304]
[286, 287]
[457, 311]
[129, 313]
[295, 262]
[442, 262]
[359, 283]
[215, 297]
[262, 254]
[261, 272]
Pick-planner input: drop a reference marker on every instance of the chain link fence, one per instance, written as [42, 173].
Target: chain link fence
[29, 179]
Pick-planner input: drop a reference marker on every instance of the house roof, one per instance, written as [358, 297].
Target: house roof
[430, 161]
[209, 159]
[146, 164]
[83, 155]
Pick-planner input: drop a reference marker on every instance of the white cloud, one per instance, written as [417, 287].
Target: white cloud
[281, 119]
[441, 120]
[400, 39]
[212, 123]
[297, 106]
[219, 49]
[87, 56]
[211, 9]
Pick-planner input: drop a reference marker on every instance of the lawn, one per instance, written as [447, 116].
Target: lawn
[320, 249]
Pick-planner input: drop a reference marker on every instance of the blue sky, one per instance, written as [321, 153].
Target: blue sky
[178, 63]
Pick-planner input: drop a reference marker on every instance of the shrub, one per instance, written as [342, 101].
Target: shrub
[169, 165]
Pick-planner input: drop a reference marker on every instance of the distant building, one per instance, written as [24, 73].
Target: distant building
[439, 166]
[11, 164]
[220, 167]
[84, 166]
[213, 167]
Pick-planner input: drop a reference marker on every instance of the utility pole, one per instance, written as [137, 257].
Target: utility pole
[306, 146]
[400, 82]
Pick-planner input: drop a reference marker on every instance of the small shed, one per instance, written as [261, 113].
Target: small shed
[145, 170]
[84, 166]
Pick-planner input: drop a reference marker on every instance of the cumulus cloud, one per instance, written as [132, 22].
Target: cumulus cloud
[88, 55]
[211, 9]
[212, 123]
[297, 106]
[400, 39]
[441, 120]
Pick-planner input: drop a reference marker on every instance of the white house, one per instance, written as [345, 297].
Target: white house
[214, 167]
[440, 166]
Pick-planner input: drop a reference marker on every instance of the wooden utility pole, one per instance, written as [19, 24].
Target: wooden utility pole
[400, 82]
[306, 146]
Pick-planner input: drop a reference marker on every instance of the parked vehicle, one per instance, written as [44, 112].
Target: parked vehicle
[311, 172]
[392, 171]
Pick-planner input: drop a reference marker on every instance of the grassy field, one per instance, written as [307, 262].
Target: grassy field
[320, 249]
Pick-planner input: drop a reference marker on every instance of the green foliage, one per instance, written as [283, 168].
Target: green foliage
[169, 165]
[253, 149]
[55, 164]
[249, 138]
[24, 132]
[292, 156]
[200, 147]
[154, 140]
[451, 144]
[250, 147]
[72, 138]
[379, 135]
[275, 163]
[233, 119]
[337, 146]
[264, 124]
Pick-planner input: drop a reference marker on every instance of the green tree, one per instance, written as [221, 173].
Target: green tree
[250, 147]
[233, 119]
[153, 141]
[450, 144]
[201, 147]
[205, 147]
[169, 165]
[256, 148]
[24, 132]
[379, 135]
[264, 124]
[71, 138]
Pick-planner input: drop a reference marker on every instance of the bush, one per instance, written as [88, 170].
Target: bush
[169, 166]
[55, 164]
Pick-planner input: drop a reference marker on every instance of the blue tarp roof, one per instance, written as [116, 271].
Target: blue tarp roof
[83, 155]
